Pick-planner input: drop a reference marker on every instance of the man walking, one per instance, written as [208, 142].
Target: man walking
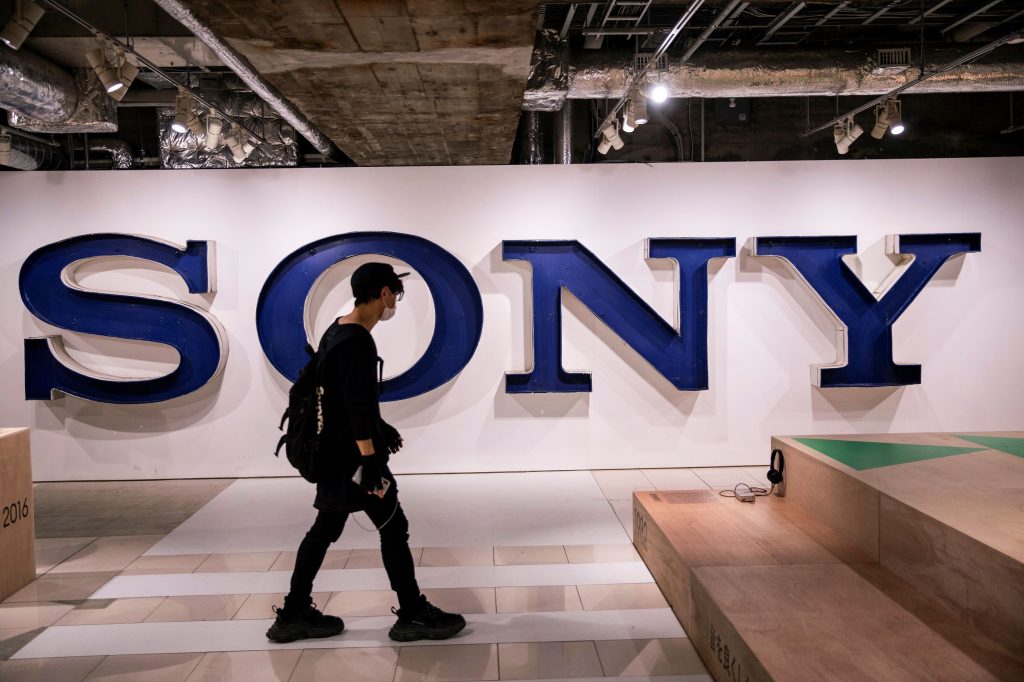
[363, 441]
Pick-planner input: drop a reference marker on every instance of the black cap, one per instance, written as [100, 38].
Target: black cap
[370, 278]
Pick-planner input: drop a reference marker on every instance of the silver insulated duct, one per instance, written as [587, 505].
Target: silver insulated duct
[602, 75]
[32, 155]
[35, 87]
[94, 112]
[121, 154]
[41, 97]
[188, 149]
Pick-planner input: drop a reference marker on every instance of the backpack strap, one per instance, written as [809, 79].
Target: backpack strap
[321, 354]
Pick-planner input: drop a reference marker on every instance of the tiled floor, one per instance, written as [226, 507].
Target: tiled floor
[177, 581]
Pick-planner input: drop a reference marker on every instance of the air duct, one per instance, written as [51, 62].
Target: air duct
[35, 87]
[605, 75]
[190, 149]
[121, 154]
[29, 155]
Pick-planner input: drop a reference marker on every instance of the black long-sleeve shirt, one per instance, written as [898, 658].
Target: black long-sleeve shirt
[351, 389]
[351, 412]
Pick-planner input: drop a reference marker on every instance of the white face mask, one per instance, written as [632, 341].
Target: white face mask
[388, 313]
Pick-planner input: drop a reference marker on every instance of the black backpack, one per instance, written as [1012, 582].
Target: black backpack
[304, 439]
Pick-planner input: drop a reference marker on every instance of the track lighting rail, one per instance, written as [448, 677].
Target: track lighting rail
[73, 16]
[960, 61]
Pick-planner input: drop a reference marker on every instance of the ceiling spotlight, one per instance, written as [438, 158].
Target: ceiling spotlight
[5, 149]
[629, 118]
[612, 139]
[26, 15]
[846, 133]
[127, 70]
[240, 149]
[105, 70]
[214, 128]
[184, 118]
[881, 121]
[659, 93]
[894, 109]
[640, 108]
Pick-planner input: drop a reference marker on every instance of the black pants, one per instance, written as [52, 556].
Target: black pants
[394, 546]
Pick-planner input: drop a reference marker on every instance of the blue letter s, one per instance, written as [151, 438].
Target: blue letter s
[50, 292]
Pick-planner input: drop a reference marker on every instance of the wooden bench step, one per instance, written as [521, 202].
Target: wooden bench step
[814, 622]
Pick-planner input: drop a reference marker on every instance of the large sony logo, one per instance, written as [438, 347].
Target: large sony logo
[863, 318]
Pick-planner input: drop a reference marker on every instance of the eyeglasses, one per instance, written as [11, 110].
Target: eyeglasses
[399, 296]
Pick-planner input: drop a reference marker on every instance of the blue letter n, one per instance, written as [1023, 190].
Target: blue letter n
[680, 356]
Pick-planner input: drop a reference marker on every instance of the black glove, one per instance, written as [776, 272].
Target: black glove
[371, 480]
[391, 437]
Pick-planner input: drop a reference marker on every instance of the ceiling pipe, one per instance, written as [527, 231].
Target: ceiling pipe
[36, 87]
[772, 73]
[244, 69]
[563, 134]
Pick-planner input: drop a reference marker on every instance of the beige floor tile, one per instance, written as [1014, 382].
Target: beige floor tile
[242, 561]
[359, 665]
[371, 558]
[463, 599]
[448, 662]
[182, 609]
[336, 558]
[362, 603]
[31, 615]
[624, 513]
[548, 660]
[601, 554]
[535, 599]
[760, 474]
[457, 556]
[111, 611]
[246, 666]
[613, 597]
[55, 586]
[52, 551]
[73, 669]
[152, 565]
[675, 479]
[146, 668]
[543, 554]
[725, 477]
[13, 640]
[619, 484]
[108, 554]
[258, 606]
[638, 657]
[109, 508]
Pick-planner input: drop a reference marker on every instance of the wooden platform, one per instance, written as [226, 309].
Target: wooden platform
[890, 557]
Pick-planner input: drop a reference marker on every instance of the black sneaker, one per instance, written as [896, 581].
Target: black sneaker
[429, 622]
[306, 624]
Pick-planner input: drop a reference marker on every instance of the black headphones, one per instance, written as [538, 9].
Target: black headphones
[775, 474]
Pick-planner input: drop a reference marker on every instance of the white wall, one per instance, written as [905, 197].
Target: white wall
[966, 328]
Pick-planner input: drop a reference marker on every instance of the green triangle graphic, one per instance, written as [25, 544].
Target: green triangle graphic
[1011, 446]
[861, 455]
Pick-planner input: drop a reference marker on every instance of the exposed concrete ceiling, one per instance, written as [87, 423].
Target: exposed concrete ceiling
[422, 82]
[393, 82]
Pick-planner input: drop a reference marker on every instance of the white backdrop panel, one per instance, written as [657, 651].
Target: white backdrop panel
[966, 328]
